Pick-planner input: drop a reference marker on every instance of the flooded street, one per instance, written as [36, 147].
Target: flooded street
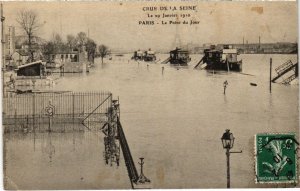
[58, 159]
[173, 118]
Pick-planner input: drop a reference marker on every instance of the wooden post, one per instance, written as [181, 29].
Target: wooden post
[225, 86]
[49, 123]
[270, 75]
[73, 96]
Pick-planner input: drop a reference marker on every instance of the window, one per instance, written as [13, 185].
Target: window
[75, 58]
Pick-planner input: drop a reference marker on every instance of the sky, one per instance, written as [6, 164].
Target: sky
[117, 25]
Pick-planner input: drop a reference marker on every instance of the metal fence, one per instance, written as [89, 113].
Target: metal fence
[55, 111]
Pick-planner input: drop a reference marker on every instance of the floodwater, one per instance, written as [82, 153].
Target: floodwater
[173, 118]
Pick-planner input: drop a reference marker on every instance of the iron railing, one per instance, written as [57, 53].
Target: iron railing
[35, 110]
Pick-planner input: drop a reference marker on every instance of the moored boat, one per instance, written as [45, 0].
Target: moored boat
[179, 56]
[149, 56]
[221, 59]
[138, 55]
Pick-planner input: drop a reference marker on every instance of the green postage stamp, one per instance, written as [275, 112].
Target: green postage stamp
[276, 158]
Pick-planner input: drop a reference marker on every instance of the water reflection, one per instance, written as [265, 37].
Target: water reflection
[49, 148]
[59, 160]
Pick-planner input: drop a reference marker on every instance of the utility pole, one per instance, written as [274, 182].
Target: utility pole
[3, 44]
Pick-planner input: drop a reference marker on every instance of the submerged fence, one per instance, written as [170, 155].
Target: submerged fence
[55, 111]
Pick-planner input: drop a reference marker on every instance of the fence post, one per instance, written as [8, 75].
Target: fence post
[33, 111]
[270, 75]
[73, 95]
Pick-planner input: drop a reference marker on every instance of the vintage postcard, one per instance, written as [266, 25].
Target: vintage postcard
[149, 94]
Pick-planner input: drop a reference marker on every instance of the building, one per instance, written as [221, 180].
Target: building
[33, 69]
[71, 61]
[63, 57]
[19, 57]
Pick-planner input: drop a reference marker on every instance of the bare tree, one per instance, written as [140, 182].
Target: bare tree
[103, 51]
[81, 40]
[60, 46]
[47, 49]
[71, 41]
[28, 21]
[56, 38]
[91, 47]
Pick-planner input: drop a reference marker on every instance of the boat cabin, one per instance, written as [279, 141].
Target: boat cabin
[222, 59]
[179, 56]
[149, 55]
[138, 55]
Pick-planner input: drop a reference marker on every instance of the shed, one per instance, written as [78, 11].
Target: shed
[31, 69]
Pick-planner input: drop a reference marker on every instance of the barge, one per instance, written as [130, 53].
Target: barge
[179, 56]
[221, 59]
[149, 56]
[138, 55]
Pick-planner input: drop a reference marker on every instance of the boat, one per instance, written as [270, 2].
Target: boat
[179, 56]
[149, 56]
[221, 59]
[138, 55]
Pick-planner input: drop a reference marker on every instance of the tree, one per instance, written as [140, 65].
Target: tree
[28, 21]
[103, 51]
[56, 38]
[81, 40]
[57, 42]
[91, 47]
[47, 49]
[71, 42]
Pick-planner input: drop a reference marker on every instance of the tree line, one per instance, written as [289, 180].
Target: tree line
[30, 24]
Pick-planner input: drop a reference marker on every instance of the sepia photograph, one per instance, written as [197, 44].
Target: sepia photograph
[149, 94]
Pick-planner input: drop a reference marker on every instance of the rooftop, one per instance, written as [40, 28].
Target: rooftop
[30, 64]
